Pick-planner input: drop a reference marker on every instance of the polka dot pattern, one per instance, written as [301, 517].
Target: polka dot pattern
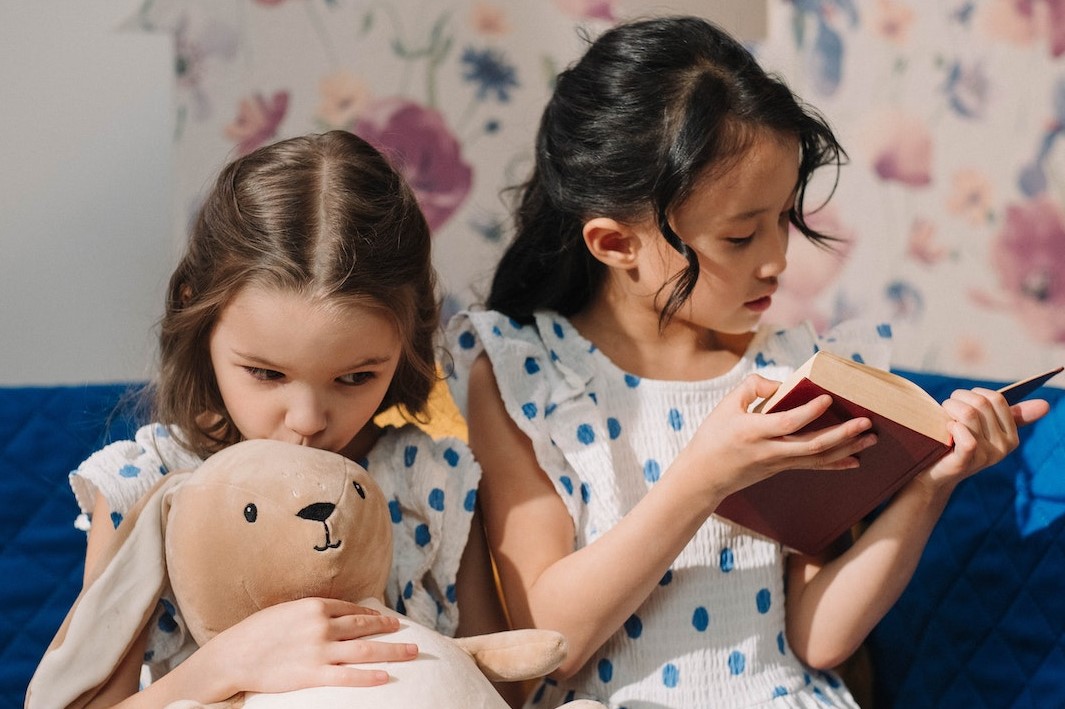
[711, 632]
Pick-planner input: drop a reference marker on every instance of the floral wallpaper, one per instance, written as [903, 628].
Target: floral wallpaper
[952, 205]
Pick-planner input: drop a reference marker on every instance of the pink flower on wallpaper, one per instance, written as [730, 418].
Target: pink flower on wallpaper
[1028, 254]
[489, 19]
[811, 272]
[424, 149]
[343, 97]
[970, 196]
[257, 120]
[902, 149]
[588, 9]
[923, 244]
[892, 20]
[1025, 22]
[1056, 27]
[970, 351]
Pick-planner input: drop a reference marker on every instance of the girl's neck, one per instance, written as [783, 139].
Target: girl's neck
[630, 337]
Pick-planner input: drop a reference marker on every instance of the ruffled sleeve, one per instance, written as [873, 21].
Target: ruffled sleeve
[542, 371]
[124, 471]
[431, 488]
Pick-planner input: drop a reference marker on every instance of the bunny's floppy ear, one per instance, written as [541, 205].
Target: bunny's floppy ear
[119, 597]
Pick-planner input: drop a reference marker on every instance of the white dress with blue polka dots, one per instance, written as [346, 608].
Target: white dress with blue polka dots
[712, 633]
[430, 484]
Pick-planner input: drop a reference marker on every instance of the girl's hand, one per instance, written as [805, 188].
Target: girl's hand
[748, 447]
[984, 431]
[305, 643]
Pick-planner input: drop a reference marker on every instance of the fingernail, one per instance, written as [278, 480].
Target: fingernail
[412, 649]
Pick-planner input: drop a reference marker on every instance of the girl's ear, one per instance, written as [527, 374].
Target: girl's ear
[613, 243]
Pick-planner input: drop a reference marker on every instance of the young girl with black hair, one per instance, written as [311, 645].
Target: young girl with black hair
[608, 383]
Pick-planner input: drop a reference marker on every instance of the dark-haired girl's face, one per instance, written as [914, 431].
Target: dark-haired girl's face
[737, 223]
[301, 369]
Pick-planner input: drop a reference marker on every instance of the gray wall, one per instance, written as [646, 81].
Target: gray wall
[85, 181]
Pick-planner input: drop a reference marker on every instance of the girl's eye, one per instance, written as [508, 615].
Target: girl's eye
[740, 240]
[265, 375]
[356, 378]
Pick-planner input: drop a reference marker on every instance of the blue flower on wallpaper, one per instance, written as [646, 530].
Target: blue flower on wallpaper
[827, 49]
[967, 89]
[964, 13]
[1033, 179]
[907, 303]
[489, 70]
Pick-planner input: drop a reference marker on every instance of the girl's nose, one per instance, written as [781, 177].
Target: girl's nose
[306, 414]
[775, 258]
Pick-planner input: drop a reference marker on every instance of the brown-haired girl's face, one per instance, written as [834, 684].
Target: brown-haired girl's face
[296, 368]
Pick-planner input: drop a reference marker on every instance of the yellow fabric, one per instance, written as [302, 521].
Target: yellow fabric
[443, 417]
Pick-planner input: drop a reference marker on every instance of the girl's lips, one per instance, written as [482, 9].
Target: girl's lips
[759, 305]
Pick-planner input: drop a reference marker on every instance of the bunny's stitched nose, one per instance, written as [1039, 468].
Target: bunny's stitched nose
[317, 512]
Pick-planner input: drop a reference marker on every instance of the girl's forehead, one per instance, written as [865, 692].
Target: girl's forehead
[289, 327]
[763, 174]
[281, 298]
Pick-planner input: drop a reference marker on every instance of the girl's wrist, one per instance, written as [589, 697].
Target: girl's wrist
[929, 491]
[695, 483]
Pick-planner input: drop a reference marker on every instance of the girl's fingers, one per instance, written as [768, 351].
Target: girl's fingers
[354, 652]
[973, 410]
[351, 676]
[842, 455]
[337, 607]
[353, 627]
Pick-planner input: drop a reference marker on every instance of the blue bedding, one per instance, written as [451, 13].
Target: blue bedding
[44, 433]
[982, 624]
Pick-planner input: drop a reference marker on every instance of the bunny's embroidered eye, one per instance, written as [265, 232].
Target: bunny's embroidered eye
[251, 512]
[358, 489]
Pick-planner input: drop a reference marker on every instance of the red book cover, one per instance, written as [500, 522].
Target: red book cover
[807, 510]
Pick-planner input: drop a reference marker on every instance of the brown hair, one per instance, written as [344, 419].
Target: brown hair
[324, 215]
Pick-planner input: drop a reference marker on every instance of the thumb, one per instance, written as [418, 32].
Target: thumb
[754, 387]
[1029, 411]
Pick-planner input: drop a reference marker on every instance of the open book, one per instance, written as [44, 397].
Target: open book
[807, 510]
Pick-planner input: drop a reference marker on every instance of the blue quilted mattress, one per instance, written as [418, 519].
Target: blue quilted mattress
[44, 433]
[982, 625]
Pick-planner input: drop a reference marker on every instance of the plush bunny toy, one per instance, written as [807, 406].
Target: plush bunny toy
[260, 523]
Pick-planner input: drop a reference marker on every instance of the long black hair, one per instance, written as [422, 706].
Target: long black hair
[653, 107]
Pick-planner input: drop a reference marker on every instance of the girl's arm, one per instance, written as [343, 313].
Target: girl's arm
[303, 643]
[832, 605]
[588, 593]
[480, 607]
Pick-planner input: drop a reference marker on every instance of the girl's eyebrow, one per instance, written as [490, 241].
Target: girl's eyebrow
[757, 211]
[372, 361]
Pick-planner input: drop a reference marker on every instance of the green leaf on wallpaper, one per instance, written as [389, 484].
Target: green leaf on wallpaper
[550, 69]
[367, 23]
[798, 28]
